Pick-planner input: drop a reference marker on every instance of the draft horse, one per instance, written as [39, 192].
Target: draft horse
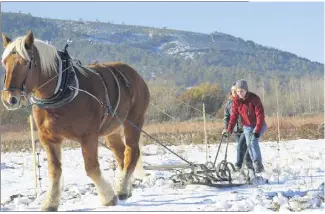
[80, 103]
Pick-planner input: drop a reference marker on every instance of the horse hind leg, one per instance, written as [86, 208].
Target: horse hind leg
[116, 144]
[131, 158]
[89, 146]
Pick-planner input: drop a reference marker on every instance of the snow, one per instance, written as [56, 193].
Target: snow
[295, 173]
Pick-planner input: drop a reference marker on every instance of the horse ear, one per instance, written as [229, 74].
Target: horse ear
[6, 40]
[29, 40]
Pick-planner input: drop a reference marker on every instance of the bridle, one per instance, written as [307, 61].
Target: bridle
[68, 86]
[23, 88]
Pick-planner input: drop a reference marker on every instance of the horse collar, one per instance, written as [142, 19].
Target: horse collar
[63, 94]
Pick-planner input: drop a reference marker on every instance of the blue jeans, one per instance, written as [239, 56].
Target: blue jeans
[254, 149]
[241, 149]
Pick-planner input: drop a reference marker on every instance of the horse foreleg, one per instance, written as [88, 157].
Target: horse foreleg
[131, 157]
[52, 148]
[105, 191]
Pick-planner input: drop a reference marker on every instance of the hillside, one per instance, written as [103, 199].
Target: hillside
[186, 57]
[173, 60]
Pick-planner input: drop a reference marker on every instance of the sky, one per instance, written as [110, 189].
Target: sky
[296, 27]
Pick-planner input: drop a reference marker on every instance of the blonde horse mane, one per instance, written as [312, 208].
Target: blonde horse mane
[48, 55]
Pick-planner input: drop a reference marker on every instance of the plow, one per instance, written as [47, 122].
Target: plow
[221, 175]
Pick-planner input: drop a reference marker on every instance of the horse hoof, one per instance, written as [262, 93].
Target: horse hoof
[112, 202]
[49, 209]
[123, 197]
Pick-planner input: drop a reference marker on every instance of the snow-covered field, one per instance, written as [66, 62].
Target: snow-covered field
[299, 185]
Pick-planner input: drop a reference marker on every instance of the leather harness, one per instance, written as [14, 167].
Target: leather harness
[68, 86]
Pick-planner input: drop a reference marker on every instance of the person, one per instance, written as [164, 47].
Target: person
[238, 130]
[249, 106]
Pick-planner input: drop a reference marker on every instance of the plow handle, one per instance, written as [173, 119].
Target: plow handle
[215, 159]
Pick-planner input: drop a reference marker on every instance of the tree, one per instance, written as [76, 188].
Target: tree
[209, 94]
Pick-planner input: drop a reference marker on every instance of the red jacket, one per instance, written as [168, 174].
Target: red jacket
[251, 110]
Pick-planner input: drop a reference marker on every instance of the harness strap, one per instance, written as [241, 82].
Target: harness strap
[63, 93]
[128, 83]
[117, 104]
[108, 103]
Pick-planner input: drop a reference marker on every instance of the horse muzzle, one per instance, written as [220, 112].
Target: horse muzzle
[10, 101]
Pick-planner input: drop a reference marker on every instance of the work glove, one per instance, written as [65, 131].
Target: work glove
[240, 130]
[256, 135]
[226, 134]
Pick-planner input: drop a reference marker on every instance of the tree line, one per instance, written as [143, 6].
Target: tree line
[169, 102]
[296, 96]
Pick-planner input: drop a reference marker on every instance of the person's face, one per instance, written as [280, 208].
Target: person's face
[233, 91]
[241, 92]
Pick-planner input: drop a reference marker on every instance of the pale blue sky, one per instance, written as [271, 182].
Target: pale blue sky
[297, 27]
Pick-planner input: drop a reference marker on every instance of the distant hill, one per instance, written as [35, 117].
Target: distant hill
[178, 60]
[186, 57]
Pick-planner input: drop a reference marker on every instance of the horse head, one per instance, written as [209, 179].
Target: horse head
[28, 64]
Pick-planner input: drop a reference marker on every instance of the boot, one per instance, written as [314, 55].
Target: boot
[258, 166]
[237, 168]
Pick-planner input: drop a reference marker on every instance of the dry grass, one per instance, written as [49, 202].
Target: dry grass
[308, 126]
[182, 127]
[188, 127]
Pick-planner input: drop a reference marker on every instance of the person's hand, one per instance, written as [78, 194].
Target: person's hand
[256, 135]
[240, 130]
[226, 134]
